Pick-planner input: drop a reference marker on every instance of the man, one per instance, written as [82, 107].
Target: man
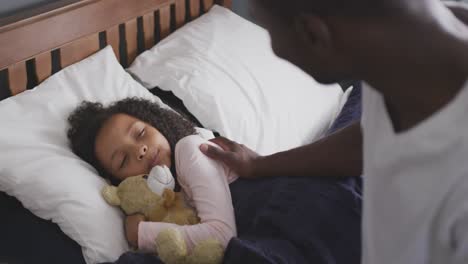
[412, 143]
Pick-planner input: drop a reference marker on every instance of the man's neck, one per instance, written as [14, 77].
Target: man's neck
[421, 71]
[415, 100]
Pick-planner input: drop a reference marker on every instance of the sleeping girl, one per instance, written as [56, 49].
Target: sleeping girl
[268, 220]
[132, 136]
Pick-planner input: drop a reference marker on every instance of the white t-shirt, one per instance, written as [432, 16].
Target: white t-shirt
[415, 185]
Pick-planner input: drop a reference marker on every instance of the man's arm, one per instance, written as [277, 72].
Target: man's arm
[337, 155]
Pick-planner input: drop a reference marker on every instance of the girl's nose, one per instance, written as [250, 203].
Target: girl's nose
[142, 152]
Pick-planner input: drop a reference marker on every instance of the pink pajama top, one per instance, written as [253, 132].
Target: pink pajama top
[205, 183]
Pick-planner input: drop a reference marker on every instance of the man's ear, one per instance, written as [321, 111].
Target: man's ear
[314, 32]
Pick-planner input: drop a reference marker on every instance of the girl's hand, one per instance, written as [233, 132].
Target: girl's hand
[237, 157]
[131, 228]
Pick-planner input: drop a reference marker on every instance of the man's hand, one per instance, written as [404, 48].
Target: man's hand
[131, 228]
[237, 157]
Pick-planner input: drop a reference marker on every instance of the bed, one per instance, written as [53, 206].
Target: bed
[130, 28]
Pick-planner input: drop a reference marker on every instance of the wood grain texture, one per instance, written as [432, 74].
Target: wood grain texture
[180, 13]
[34, 10]
[70, 33]
[43, 66]
[225, 3]
[194, 8]
[165, 21]
[131, 32]
[207, 4]
[113, 39]
[78, 50]
[148, 30]
[17, 78]
[18, 41]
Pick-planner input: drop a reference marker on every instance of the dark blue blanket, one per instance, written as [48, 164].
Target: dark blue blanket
[294, 219]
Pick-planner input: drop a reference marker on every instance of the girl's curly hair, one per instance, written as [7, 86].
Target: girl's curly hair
[88, 118]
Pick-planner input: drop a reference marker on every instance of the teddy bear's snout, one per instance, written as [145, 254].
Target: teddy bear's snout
[160, 178]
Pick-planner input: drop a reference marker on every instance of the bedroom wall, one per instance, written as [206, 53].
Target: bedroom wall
[8, 7]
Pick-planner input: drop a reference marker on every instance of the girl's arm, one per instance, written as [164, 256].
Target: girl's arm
[205, 182]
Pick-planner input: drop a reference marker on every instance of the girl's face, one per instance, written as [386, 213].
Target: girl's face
[126, 146]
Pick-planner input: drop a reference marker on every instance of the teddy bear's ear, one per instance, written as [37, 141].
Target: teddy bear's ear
[110, 195]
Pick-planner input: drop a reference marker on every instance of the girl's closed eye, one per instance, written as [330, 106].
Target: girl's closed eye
[124, 161]
[142, 133]
[121, 134]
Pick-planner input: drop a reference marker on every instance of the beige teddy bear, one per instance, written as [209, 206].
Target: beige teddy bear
[153, 196]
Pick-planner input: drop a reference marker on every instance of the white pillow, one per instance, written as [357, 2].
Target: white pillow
[38, 167]
[223, 68]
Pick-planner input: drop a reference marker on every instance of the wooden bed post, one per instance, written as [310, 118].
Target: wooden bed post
[225, 3]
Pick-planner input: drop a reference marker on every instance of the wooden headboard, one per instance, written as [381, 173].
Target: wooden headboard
[34, 48]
